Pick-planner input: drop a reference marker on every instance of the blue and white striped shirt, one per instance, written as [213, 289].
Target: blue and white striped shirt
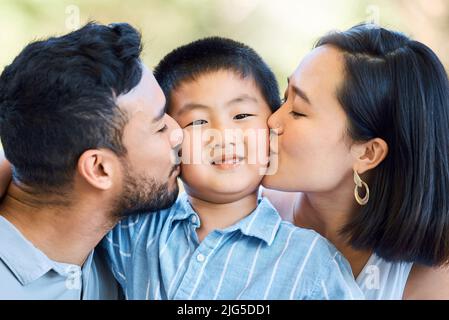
[158, 256]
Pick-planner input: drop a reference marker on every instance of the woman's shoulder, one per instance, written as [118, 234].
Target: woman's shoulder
[427, 283]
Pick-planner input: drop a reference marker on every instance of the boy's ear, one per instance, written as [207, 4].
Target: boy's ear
[99, 168]
[369, 154]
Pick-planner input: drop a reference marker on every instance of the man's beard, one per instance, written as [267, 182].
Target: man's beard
[143, 194]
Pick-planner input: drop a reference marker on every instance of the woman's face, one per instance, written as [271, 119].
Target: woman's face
[312, 151]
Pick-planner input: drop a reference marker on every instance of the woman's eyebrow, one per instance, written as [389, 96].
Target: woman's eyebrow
[299, 92]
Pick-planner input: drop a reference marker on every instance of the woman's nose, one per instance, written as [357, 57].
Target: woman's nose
[275, 124]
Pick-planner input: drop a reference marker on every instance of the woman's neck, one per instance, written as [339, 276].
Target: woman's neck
[321, 214]
[221, 215]
[328, 214]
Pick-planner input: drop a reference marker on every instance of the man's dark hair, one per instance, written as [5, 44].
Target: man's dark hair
[58, 99]
[212, 54]
[397, 89]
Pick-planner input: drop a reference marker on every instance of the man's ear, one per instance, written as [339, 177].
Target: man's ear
[369, 154]
[99, 168]
[5, 175]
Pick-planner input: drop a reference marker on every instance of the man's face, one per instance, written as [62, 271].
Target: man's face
[151, 139]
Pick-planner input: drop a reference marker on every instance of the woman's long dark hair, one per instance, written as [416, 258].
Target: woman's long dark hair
[397, 89]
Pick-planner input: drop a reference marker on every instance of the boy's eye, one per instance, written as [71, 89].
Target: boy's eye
[197, 123]
[162, 129]
[296, 115]
[242, 116]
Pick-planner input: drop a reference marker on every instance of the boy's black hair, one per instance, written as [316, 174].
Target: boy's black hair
[212, 54]
[57, 99]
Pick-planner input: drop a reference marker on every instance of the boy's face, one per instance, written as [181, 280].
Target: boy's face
[226, 137]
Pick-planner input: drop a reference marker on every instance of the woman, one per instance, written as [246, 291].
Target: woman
[362, 155]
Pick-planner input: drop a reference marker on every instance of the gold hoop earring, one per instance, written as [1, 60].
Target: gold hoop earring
[358, 184]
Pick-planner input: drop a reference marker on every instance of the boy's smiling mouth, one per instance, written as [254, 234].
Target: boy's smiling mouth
[226, 162]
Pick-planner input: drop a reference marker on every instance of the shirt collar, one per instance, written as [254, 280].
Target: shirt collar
[183, 210]
[262, 223]
[25, 261]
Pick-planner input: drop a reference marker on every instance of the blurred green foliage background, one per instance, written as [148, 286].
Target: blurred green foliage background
[282, 31]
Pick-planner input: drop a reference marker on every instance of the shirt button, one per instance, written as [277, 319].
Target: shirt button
[73, 281]
[200, 258]
[193, 219]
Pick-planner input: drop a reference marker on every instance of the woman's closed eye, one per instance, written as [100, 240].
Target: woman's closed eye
[197, 123]
[297, 115]
[243, 116]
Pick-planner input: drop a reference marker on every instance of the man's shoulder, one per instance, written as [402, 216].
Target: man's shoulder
[8, 280]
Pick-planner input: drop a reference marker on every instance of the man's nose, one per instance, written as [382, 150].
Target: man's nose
[176, 133]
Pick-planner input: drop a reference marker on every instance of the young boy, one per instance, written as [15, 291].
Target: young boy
[220, 240]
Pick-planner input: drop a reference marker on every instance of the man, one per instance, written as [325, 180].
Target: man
[82, 123]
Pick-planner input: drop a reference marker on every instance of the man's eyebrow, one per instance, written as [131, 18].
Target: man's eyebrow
[191, 106]
[159, 116]
[299, 92]
[241, 98]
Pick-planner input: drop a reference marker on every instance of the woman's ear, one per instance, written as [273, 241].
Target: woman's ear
[99, 168]
[369, 154]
